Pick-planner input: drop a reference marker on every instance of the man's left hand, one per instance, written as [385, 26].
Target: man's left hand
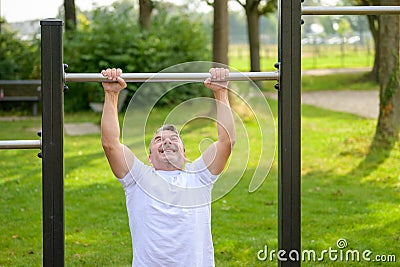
[217, 81]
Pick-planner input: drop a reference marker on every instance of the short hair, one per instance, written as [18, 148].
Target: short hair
[167, 127]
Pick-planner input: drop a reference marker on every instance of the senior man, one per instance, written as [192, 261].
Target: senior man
[169, 201]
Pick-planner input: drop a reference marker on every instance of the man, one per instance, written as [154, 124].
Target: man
[169, 204]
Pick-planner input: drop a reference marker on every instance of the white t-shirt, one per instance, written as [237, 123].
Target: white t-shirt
[170, 215]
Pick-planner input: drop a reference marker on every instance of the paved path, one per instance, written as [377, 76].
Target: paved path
[81, 128]
[362, 103]
[320, 72]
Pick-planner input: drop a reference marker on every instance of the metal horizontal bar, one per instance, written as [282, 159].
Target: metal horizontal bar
[20, 144]
[19, 98]
[171, 77]
[350, 10]
[20, 82]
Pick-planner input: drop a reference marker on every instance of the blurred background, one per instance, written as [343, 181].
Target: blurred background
[150, 35]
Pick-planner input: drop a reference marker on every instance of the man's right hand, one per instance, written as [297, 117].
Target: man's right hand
[113, 75]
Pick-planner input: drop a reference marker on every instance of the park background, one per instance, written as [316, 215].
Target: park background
[350, 189]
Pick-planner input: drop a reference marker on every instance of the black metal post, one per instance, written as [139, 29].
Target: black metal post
[289, 120]
[52, 143]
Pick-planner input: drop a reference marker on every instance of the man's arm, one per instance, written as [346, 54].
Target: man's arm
[216, 156]
[119, 156]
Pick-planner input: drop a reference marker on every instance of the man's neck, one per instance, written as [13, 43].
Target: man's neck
[167, 167]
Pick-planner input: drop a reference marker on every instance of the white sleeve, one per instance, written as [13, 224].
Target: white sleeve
[199, 168]
[136, 172]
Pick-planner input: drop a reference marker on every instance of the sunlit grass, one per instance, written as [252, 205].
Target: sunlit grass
[312, 57]
[339, 200]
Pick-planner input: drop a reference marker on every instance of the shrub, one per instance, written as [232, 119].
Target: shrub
[18, 59]
[111, 37]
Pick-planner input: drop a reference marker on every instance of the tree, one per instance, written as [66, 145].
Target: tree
[175, 37]
[373, 22]
[254, 9]
[388, 127]
[70, 15]
[145, 9]
[220, 31]
[19, 59]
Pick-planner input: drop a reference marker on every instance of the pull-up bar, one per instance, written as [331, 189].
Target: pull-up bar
[171, 77]
[20, 144]
[351, 10]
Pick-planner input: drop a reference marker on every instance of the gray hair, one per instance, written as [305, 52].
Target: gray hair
[167, 127]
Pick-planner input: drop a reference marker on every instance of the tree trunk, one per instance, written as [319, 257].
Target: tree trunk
[70, 15]
[253, 29]
[389, 108]
[145, 9]
[221, 32]
[373, 22]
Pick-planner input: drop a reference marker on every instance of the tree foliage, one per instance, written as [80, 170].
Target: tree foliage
[111, 37]
[18, 59]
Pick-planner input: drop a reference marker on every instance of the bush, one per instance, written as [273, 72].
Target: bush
[18, 59]
[111, 37]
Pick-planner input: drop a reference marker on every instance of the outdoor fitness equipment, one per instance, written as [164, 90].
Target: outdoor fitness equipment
[20, 144]
[288, 76]
[170, 77]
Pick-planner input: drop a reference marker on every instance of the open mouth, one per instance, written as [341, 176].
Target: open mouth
[167, 149]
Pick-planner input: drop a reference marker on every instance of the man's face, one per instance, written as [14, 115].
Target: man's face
[167, 151]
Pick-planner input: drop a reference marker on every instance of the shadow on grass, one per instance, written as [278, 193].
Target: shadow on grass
[350, 203]
[336, 206]
[379, 152]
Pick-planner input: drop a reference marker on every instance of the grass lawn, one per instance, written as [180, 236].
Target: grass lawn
[338, 81]
[339, 198]
[312, 57]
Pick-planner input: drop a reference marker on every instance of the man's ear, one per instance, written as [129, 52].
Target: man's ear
[149, 159]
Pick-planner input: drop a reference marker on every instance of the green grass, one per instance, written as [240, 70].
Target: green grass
[336, 82]
[313, 57]
[339, 81]
[335, 56]
[330, 58]
[339, 199]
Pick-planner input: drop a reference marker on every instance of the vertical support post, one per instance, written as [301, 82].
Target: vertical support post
[289, 123]
[52, 143]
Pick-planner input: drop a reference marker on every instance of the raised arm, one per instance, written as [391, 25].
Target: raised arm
[218, 153]
[118, 155]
